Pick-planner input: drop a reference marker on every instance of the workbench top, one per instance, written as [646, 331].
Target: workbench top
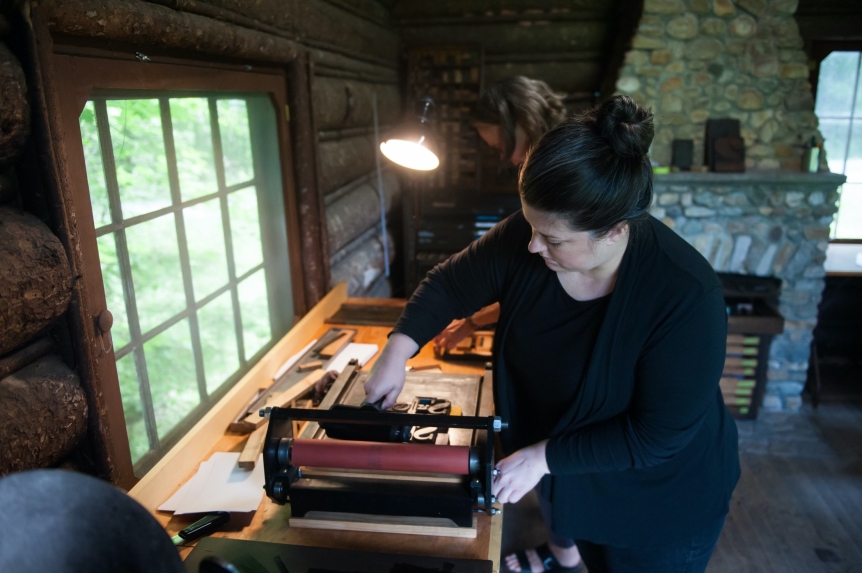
[270, 521]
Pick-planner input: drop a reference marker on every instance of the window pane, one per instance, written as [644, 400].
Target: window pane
[194, 146]
[245, 229]
[218, 339]
[207, 254]
[113, 289]
[853, 165]
[171, 370]
[235, 140]
[95, 169]
[254, 310]
[835, 84]
[849, 224]
[139, 153]
[835, 133]
[138, 442]
[156, 271]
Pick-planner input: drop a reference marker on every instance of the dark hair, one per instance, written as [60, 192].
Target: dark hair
[520, 101]
[593, 169]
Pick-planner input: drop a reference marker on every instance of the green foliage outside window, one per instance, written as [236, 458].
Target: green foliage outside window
[200, 314]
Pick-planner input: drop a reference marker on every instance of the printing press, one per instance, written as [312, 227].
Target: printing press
[430, 456]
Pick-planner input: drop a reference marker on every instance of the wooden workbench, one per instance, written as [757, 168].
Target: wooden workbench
[270, 521]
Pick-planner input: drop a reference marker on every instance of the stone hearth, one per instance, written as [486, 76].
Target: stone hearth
[766, 224]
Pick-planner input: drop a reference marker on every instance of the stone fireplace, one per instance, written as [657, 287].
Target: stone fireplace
[766, 224]
[694, 60]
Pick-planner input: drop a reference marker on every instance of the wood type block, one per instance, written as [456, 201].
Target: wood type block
[253, 447]
[308, 366]
[333, 347]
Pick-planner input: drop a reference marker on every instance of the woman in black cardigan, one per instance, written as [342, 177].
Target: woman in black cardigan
[607, 357]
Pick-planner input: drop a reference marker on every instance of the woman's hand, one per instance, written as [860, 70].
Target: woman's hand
[458, 330]
[519, 473]
[387, 375]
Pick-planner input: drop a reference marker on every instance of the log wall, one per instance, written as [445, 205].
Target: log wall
[43, 415]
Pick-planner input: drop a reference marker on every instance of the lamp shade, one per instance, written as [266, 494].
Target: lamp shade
[411, 144]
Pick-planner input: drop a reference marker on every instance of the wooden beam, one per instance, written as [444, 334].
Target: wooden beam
[353, 214]
[25, 356]
[170, 472]
[342, 103]
[147, 24]
[106, 429]
[312, 228]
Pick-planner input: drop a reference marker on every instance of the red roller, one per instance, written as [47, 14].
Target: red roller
[381, 456]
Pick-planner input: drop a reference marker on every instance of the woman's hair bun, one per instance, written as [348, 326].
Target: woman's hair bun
[626, 126]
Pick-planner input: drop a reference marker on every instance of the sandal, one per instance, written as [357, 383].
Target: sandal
[549, 562]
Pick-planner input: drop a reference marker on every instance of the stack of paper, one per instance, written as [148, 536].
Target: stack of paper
[219, 485]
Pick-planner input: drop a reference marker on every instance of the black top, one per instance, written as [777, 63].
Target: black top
[540, 350]
[645, 452]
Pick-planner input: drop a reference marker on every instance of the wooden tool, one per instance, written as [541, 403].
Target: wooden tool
[333, 347]
[238, 425]
[252, 449]
[282, 399]
[308, 366]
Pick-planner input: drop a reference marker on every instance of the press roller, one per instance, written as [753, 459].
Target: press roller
[411, 458]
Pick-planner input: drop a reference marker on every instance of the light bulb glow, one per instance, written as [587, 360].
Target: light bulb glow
[410, 154]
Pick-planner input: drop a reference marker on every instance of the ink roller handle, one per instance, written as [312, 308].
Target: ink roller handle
[423, 458]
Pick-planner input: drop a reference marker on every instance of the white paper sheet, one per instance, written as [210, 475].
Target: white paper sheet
[174, 501]
[362, 352]
[293, 360]
[219, 485]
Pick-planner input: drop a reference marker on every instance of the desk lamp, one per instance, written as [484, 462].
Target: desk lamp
[411, 144]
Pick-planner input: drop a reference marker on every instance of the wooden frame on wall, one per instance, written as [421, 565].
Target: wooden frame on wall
[64, 76]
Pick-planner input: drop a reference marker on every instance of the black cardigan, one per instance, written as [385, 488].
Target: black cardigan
[647, 453]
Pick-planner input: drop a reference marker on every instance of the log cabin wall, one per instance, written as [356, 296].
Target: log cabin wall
[338, 54]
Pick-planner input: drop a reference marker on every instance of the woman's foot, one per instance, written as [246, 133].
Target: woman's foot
[566, 557]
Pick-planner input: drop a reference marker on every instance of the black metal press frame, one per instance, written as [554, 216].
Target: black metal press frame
[280, 474]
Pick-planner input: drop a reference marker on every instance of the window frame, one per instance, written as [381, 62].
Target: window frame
[83, 74]
[819, 51]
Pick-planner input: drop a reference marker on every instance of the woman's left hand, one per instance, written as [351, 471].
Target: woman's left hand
[520, 472]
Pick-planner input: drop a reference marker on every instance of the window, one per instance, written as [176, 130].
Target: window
[839, 108]
[188, 212]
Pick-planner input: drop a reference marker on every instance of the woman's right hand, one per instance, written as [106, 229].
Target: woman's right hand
[387, 375]
[458, 330]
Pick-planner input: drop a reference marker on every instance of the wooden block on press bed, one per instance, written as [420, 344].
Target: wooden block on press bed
[306, 366]
[333, 347]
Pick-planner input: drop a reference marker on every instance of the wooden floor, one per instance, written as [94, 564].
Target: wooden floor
[798, 505]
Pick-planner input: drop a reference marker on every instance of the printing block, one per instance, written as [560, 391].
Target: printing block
[413, 460]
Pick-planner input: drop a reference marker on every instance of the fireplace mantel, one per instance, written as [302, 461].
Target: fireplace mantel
[783, 179]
